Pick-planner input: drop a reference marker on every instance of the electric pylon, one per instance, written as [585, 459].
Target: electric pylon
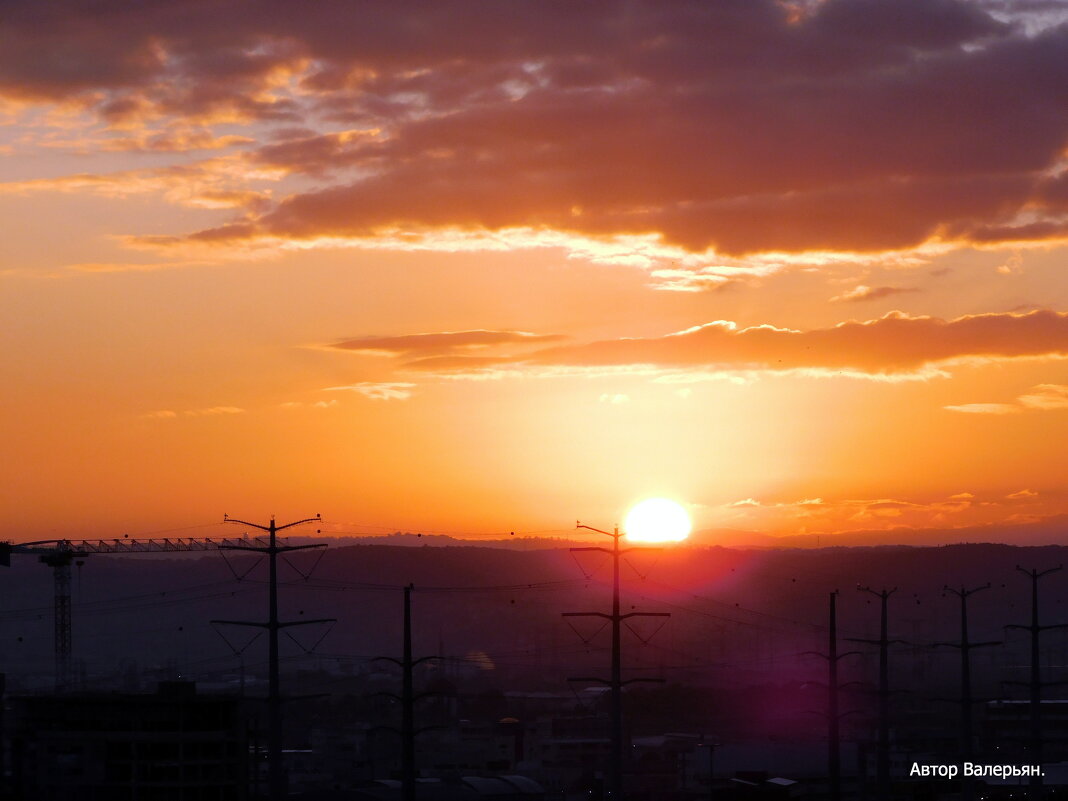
[965, 646]
[834, 750]
[1035, 755]
[882, 766]
[276, 775]
[408, 698]
[615, 683]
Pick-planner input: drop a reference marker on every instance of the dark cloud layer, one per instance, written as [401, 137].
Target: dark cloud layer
[739, 125]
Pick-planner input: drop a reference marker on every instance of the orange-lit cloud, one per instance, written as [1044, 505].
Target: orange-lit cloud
[389, 390]
[894, 343]
[960, 510]
[212, 184]
[863, 293]
[211, 411]
[442, 343]
[1043, 397]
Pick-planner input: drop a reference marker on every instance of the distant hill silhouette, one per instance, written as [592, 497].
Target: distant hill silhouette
[1051, 530]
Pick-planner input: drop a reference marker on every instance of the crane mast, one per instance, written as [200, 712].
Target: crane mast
[61, 554]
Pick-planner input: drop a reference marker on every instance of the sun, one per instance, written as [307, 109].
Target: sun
[657, 520]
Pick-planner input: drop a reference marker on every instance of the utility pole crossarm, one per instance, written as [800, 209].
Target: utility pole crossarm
[310, 622]
[253, 623]
[272, 526]
[267, 548]
[316, 519]
[228, 519]
[599, 531]
[1037, 574]
[877, 593]
[834, 658]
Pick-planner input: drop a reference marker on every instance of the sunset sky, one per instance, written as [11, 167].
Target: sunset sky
[483, 266]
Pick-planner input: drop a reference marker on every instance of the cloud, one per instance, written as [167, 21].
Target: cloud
[888, 346]
[1043, 397]
[220, 183]
[746, 126]
[211, 411]
[1020, 495]
[614, 399]
[442, 343]
[830, 514]
[1012, 266]
[705, 279]
[214, 411]
[984, 408]
[162, 414]
[1046, 396]
[863, 293]
[315, 405]
[395, 390]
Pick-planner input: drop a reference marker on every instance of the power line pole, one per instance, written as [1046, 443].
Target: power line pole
[408, 698]
[276, 775]
[615, 683]
[1035, 748]
[882, 769]
[965, 647]
[408, 704]
[834, 758]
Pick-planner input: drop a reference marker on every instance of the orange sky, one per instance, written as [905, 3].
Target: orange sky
[481, 267]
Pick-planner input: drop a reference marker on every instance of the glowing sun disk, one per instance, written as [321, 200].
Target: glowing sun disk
[657, 520]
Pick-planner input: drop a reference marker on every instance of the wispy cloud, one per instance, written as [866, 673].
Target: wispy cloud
[312, 405]
[985, 408]
[863, 293]
[211, 411]
[835, 514]
[390, 390]
[442, 343]
[1043, 397]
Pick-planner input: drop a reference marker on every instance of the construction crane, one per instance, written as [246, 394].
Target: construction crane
[61, 554]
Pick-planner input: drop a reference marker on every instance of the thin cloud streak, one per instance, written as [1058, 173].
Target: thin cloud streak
[1043, 397]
